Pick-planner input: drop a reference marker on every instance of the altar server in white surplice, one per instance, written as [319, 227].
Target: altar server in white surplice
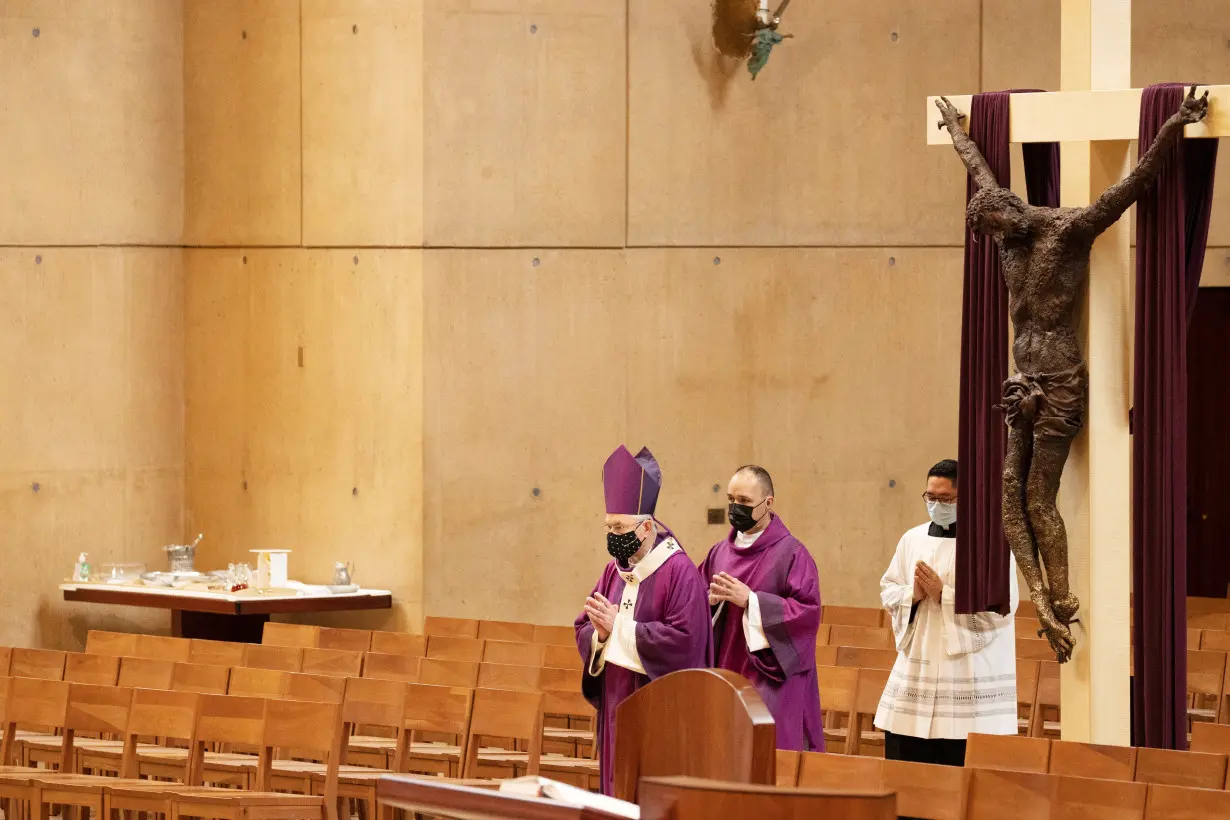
[955, 674]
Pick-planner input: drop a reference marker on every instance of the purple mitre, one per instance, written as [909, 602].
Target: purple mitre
[631, 483]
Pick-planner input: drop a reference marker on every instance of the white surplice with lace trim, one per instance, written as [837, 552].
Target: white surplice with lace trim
[954, 674]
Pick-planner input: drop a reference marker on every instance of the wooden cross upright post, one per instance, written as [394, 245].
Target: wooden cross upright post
[1093, 117]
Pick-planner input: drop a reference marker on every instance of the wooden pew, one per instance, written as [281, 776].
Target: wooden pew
[1008, 753]
[691, 798]
[995, 794]
[1093, 760]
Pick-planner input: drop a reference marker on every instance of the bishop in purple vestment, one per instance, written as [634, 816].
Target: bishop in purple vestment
[765, 594]
[648, 614]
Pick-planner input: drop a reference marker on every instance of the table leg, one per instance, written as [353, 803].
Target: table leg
[216, 627]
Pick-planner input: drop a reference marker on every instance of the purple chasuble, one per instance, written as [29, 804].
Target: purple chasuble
[782, 574]
[672, 633]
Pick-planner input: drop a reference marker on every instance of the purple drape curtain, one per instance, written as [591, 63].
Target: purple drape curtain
[1172, 226]
[982, 561]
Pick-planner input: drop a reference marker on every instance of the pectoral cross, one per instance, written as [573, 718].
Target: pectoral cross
[627, 604]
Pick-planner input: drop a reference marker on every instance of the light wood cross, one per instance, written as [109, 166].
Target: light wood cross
[1094, 117]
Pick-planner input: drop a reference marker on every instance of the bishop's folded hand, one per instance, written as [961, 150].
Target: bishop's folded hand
[601, 614]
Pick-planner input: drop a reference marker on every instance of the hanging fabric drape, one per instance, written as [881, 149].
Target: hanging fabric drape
[1172, 227]
[983, 562]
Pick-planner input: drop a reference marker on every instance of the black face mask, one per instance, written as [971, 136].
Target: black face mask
[623, 546]
[740, 516]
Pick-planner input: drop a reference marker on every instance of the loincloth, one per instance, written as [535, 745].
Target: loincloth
[1052, 403]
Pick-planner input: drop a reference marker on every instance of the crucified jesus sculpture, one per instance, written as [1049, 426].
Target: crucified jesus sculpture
[1045, 258]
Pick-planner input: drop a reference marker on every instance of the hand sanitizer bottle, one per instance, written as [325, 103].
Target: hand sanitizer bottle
[82, 571]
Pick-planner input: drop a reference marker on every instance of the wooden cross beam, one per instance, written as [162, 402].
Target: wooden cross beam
[1082, 116]
[1093, 118]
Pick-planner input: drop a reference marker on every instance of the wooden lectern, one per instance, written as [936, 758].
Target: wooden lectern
[704, 723]
[689, 798]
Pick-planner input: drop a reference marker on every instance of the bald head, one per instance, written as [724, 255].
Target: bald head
[758, 474]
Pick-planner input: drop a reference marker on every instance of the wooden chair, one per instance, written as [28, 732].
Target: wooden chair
[996, 794]
[201, 679]
[507, 676]
[280, 658]
[1008, 753]
[1026, 693]
[156, 713]
[1211, 738]
[257, 683]
[403, 668]
[450, 627]
[295, 635]
[562, 657]
[551, 679]
[827, 655]
[162, 647]
[399, 643]
[311, 728]
[438, 672]
[556, 635]
[341, 662]
[146, 673]
[516, 654]
[365, 702]
[1093, 760]
[506, 631]
[440, 711]
[1027, 627]
[119, 644]
[101, 670]
[348, 640]
[870, 688]
[1212, 640]
[838, 686]
[1211, 621]
[924, 790]
[1206, 675]
[787, 768]
[499, 713]
[469, 650]
[1194, 770]
[865, 636]
[822, 635]
[864, 658]
[1046, 699]
[1176, 803]
[41, 664]
[215, 653]
[6, 657]
[1034, 649]
[314, 688]
[1026, 609]
[1194, 638]
[568, 725]
[820, 770]
[852, 616]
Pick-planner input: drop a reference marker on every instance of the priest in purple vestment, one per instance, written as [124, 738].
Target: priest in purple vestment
[648, 614]
[765, 594]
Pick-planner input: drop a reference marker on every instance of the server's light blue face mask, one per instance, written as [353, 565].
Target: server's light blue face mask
[942, 513]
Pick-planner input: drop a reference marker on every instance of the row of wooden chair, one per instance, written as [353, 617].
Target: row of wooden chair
[318, 729]
[952, 793]
[448, 648]
[330, 661]
[362, 640]
[569, 730]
